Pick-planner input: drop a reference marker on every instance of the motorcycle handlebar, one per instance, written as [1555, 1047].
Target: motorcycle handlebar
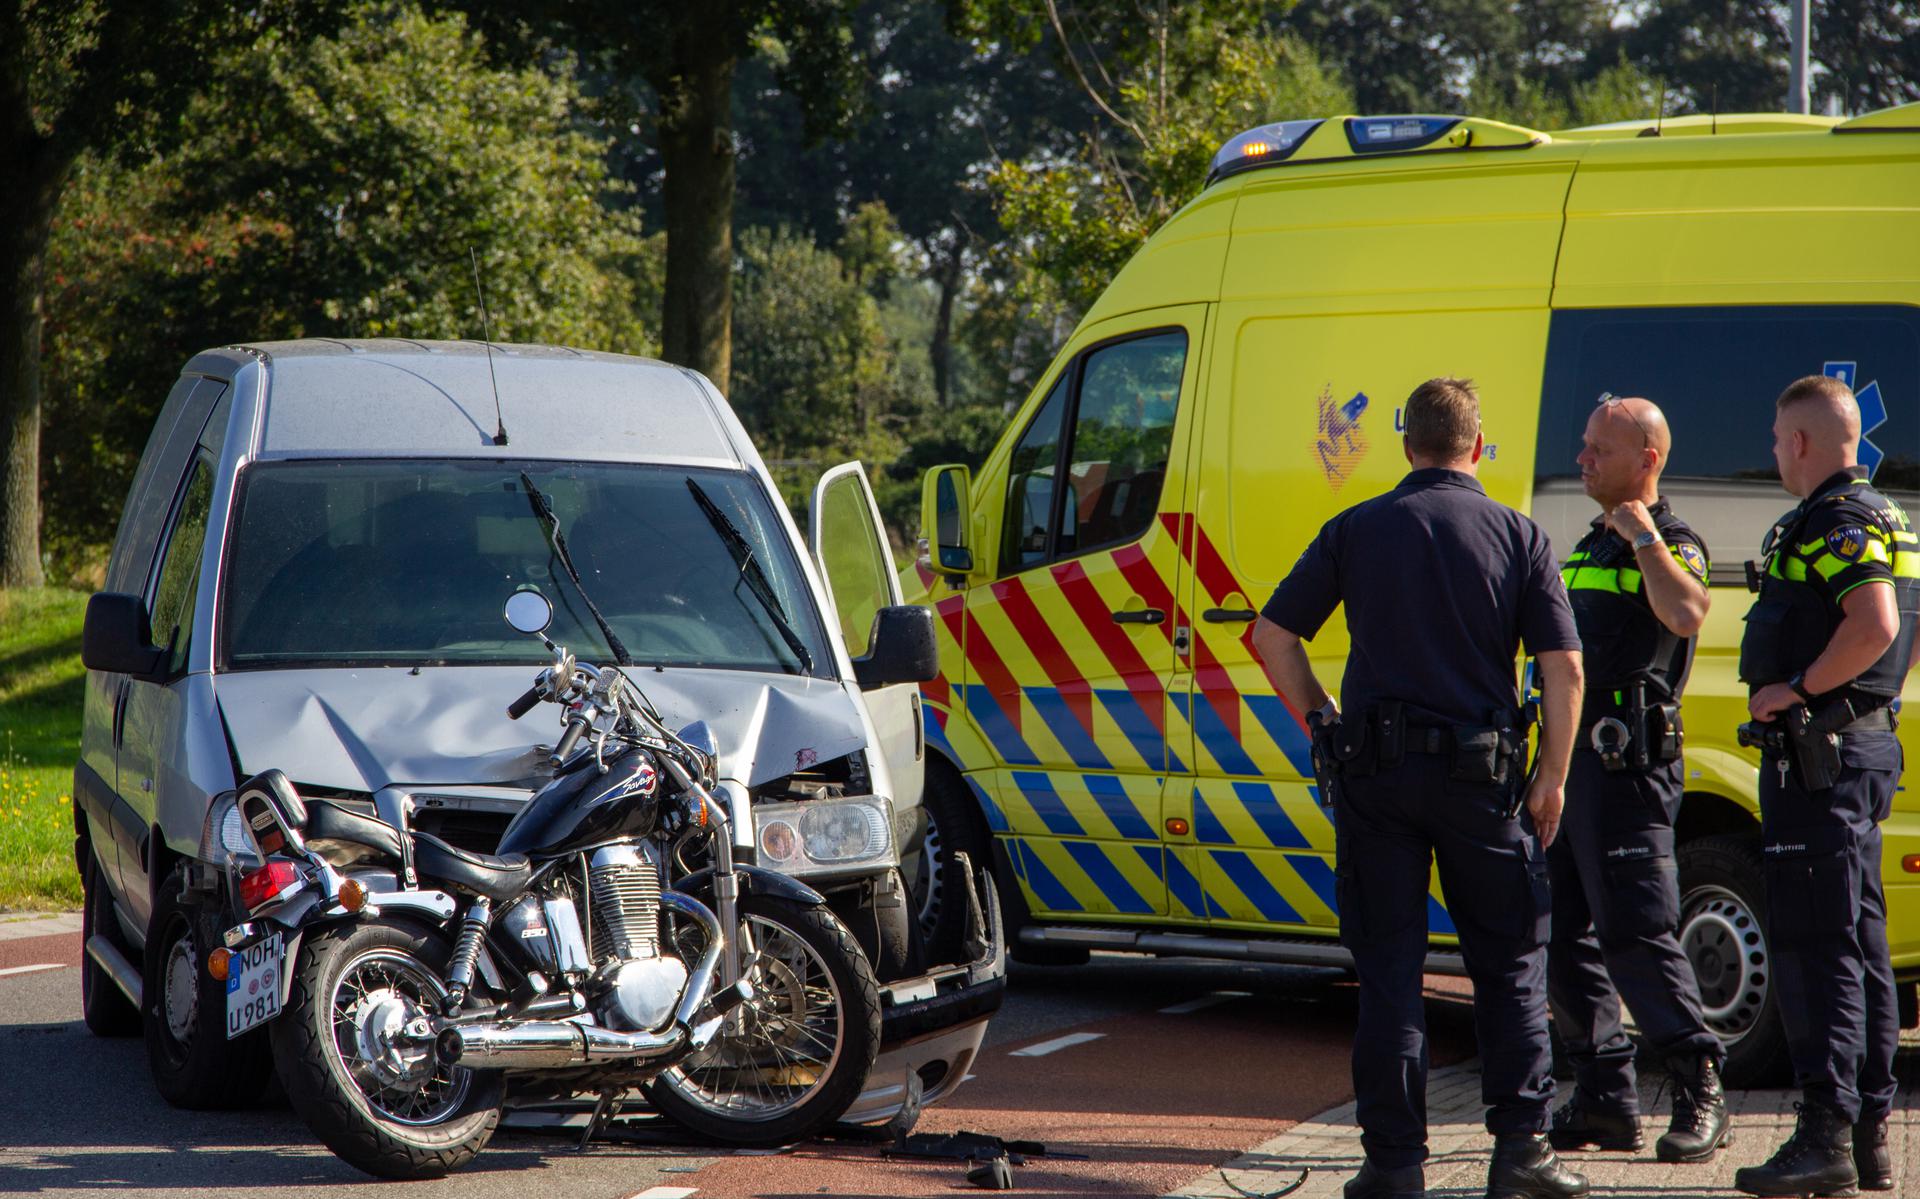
[575, 727]
[525, 704]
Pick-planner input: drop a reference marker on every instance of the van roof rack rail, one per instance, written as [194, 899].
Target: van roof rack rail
[1901, 118]
[1322, 139]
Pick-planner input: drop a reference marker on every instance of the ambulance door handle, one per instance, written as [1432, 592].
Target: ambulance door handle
[1228, 615]
[1139, 616]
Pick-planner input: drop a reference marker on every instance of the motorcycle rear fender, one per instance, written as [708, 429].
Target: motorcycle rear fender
[753, 881]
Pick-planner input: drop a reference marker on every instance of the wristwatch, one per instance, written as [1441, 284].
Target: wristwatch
[1798, 685]
[1650, 537]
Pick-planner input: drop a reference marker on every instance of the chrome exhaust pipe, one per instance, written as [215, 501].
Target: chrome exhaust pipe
[554, 1044]
[550, 1044]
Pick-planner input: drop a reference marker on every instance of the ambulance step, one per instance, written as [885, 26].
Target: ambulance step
[1293, 951]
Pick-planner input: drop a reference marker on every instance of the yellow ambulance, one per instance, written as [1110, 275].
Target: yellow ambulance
[1103, 730]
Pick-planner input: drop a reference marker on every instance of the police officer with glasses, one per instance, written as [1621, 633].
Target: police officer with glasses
[1827, 646]
[1638, 585]
[1441, 586]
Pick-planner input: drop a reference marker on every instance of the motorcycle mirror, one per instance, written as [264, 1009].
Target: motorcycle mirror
[528, 611]
[700, 737]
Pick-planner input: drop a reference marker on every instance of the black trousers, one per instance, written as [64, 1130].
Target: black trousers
[1616, 910]
[1828, 925]
[1390, 829]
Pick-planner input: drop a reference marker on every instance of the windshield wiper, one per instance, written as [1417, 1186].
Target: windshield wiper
[750, 572]
[543, 509]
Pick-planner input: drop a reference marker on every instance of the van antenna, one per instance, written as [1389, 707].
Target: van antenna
[1660, 114]
[1714, 128]
[486, 327]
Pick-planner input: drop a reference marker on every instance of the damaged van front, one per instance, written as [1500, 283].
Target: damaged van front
[321, 535]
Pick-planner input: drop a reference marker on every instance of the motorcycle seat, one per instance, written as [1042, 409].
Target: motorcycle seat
[481, 874]
[345, 837]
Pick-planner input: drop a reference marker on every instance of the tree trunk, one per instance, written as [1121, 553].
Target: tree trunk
[26, 217]
[696, 148]
[948, 274]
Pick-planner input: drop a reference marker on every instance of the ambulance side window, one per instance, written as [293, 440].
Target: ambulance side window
[1122, 397]
[1023, 534]
[1715, 372]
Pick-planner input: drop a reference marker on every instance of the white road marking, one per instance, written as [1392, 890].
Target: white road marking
[31, 969]
[1058, 1043]
[1201, 1004]
[665, 1193]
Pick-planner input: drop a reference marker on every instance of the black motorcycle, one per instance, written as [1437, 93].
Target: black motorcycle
[611, 944]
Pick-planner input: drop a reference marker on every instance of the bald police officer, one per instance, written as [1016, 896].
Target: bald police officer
[1827, 646]
[1638, 584]
[1441, 585]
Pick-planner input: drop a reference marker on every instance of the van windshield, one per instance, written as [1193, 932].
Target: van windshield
[408, 562]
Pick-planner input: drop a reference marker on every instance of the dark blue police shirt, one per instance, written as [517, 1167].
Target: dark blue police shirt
[1441, 585]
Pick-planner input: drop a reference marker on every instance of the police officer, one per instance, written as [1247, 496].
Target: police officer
[1637, 582]
[1826, 648]
[1440, 585]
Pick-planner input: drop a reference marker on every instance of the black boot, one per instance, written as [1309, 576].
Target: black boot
[1815, 1160]
[1872, 1159]
[1581, 1124]
[1524, 1167]
[1387, 1182]
[1700, 1124]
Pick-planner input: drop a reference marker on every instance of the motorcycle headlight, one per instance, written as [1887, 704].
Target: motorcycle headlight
[826, 836]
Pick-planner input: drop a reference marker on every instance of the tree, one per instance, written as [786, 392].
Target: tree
[688, 56]
[1169, 87]
[80, 75]
[327, 186]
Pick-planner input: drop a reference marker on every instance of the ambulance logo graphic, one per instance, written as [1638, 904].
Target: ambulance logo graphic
[1339, 441]
[1873, 410]
[1693, 559]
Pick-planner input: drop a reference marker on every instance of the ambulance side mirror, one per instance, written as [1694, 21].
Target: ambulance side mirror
[945, 517]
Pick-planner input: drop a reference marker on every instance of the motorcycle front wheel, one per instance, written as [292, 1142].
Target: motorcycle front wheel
[357, 1061]
[792, 1059]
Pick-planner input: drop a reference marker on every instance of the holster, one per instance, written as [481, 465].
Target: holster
[1321, 735]
[1815, 746]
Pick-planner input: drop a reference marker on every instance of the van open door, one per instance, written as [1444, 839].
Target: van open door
[847, 539]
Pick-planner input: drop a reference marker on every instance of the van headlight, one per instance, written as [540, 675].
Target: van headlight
[826, 836]
[223, 835]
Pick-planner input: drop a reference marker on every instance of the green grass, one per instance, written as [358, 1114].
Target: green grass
[41, 686]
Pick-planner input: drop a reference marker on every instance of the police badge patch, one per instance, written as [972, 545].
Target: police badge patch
[1848, 543]
[1693, 559]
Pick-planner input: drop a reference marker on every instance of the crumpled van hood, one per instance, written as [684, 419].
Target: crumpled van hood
[362, 729]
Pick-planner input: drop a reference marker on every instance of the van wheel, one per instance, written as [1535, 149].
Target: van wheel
[953, 826]
[195, 1066]
[105, 1007]
[1723, 903]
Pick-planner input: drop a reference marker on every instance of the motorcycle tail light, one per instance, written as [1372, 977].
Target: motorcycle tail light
[270, 882]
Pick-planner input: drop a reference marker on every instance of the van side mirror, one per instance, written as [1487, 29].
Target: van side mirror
[118, 638]
[946, 517]
[902, 649]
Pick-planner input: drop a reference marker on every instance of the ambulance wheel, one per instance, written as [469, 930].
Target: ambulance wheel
[1723, 903]
[195, 1065]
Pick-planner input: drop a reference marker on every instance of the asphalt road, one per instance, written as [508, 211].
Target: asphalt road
[1171, 1067]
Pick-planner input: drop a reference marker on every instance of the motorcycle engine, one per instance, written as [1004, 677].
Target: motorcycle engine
[641, 986]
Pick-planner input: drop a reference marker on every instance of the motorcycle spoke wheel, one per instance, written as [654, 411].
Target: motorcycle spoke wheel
[779, 1048]
[400, 1079]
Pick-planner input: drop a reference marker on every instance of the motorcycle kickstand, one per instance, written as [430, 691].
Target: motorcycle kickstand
[606, 1109]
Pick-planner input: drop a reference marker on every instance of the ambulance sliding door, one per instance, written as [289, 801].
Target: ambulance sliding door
[1070, 647]
[1314, 357]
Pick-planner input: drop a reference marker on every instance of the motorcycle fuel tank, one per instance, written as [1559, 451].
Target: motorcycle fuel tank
[584, 807]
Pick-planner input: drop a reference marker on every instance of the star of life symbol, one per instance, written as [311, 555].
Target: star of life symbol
[1339, 441]
[1873, 410]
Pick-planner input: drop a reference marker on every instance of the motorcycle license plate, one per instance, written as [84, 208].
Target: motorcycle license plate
[253, 985]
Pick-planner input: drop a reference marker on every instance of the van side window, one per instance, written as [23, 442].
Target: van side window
[179, 574]
[1716, 372]
[1122, 397]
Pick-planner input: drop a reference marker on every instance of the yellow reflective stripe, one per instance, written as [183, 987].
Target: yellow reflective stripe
[1601, 578]
[1906, 564]
[1789, 567]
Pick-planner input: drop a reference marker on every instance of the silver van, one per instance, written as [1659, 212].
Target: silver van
[308, 575]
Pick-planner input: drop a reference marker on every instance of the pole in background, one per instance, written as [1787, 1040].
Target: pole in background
[1799, 99]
